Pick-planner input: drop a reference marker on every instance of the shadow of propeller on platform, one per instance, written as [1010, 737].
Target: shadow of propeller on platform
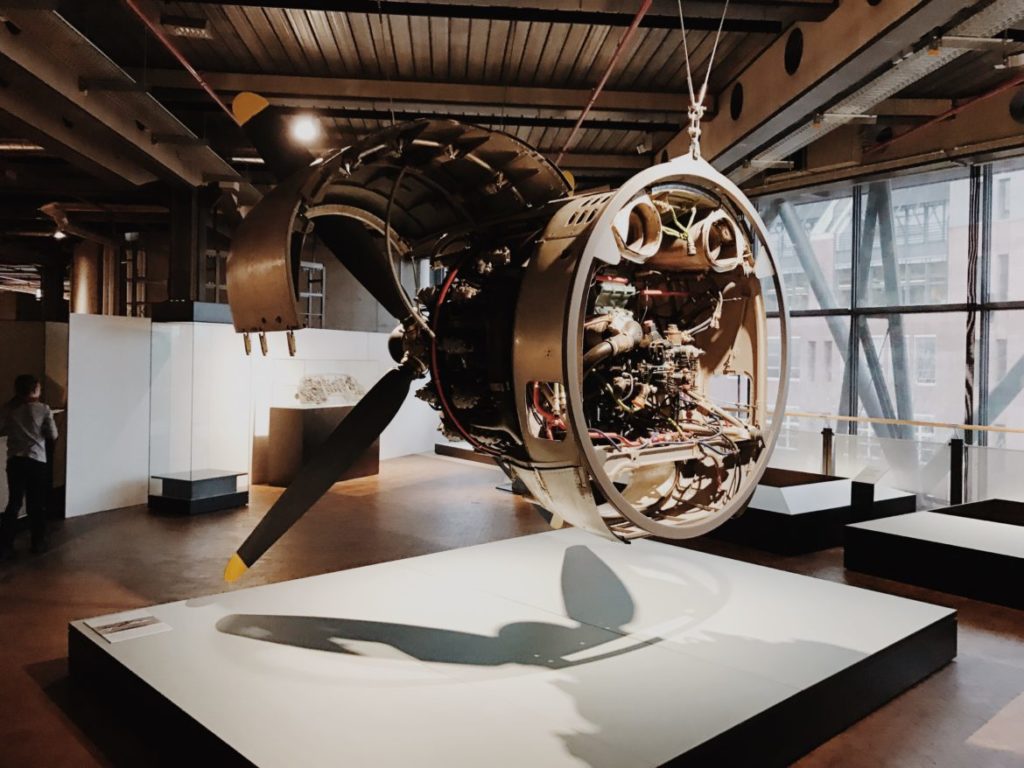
[593, 595]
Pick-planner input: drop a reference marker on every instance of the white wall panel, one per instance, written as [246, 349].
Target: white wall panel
[108, 413]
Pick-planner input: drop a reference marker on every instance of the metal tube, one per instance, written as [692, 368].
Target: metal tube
[882, 194]
[828, 455]
[644, 7]
[863, 336]
[160, 35]
[956, 471]
[823, 294]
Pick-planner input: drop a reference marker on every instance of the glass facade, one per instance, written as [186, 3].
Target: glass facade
[926, 273]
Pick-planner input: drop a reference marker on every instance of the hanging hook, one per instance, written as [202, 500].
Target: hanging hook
[697, 109]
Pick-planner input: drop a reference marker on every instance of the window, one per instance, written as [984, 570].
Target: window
[812, 360]
[828, 360]
[1003, 197]
[1000, 277]
[794, 358]
[925, 433]
[774, 356]
[312, 282]
[924, 359]
[1000, 360]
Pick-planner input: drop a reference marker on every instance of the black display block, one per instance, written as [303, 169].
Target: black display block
[975, 550]
[191, 493]
[798, 512]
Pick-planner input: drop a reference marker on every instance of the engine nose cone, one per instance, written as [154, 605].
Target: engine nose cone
[396, 347]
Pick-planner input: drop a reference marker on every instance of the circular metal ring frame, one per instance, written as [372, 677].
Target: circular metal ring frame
[701, 175]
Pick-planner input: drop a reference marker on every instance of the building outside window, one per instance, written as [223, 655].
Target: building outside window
[924, 360]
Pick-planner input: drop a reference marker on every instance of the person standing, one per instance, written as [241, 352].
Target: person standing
[27, 424]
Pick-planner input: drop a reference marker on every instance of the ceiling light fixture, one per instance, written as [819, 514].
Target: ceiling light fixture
[186, 26]
[59, 234]
[1011, 62]
[305, 129]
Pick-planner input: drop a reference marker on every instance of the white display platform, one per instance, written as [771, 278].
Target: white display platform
[975, 550]
[556, 649]
[962, 532]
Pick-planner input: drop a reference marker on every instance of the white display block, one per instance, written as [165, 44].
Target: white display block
[557, 649]
[108, 413]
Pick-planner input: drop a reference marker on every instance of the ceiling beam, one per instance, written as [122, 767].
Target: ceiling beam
[590, 162]
[276, 87]
[913, 107]
[744, 15]
[110, 131]
[491, 117]
[833, 62]
[984, 127]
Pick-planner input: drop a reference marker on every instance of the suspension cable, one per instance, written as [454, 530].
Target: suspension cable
[696, 109]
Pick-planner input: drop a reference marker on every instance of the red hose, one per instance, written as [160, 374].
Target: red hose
[160, 35]
[435, 370]
[644, 7]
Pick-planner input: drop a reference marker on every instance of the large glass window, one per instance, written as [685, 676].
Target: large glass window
[913, 243]
[1005, 406]
[811, 239]
[1006, 275]
[916, 367]
[848, 271]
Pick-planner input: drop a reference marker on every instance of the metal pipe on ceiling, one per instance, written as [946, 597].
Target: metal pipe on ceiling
[644, 7]
[167, 43]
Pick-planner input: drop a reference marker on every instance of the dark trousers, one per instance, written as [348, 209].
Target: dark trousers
[26, 481]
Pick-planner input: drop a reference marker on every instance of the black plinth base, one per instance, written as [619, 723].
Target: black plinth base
[975, 550]
[204, 490]
[799, 512]
[175, 506]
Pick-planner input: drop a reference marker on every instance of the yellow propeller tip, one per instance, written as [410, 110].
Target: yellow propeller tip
[247, 105]
[235, 568]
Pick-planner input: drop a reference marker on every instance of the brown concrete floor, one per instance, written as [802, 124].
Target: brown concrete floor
[131, 558]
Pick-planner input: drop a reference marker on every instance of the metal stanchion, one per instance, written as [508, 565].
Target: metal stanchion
[956, 471]
[828, 453]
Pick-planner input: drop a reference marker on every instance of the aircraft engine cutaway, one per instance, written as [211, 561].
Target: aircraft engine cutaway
[608, 349]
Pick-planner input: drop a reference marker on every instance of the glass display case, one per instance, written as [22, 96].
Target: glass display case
[200, 418]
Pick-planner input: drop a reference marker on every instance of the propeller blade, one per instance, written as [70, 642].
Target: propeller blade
[363, 254]
[351, 437]
[266, 127]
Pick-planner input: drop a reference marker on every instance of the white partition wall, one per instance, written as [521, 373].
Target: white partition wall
[108, 413]
[171, 397]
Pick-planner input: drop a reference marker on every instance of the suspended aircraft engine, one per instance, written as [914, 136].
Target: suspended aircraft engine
[608, 349]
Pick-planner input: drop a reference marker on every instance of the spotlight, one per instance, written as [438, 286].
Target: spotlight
[39, 294]
[305, 129]
[59, 234]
